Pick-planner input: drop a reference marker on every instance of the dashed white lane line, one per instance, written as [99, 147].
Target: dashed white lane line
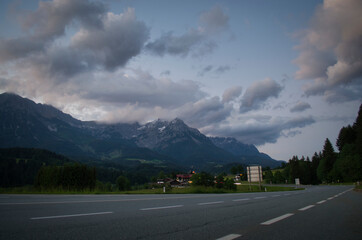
[209, 203]
[241, 199]
[287, 194]
[306, 208]
[72, 215]
[323, 201]
[277, 219]
[259, 197]
[164, 207]
[229, 237]
[276, 196]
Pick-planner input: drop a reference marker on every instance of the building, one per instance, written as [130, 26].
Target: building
[183, 177]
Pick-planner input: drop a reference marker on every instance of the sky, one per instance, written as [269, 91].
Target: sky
[282, 75]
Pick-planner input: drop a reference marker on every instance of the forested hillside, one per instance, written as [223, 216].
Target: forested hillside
[19, 166]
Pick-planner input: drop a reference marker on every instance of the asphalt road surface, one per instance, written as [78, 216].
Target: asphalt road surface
[319, 212]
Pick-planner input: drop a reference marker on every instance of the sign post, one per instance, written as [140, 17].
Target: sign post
[297, 182]
[255, 174]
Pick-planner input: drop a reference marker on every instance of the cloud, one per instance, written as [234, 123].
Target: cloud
[121, 38]
[166, 73]
[212, 69]
[331, 50]
[48, 22]
[194, 40]
[205, 112]
[102, 41]
[214, 21]
[175, 45]
[300, 107]
[206, 69]
[258, 93]
[231, 94]
[260, 129]
[222, 69]
[141, 88]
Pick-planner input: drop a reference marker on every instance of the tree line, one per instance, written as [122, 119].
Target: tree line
[328, 165]
[70, 177]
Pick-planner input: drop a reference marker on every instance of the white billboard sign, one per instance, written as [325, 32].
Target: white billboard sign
[255, 174]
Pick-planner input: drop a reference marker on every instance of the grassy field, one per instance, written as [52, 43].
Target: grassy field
[187, 190]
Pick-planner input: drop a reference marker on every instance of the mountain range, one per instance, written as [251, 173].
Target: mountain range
[24, 123]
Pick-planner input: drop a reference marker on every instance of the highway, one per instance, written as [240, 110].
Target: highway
[318, 212]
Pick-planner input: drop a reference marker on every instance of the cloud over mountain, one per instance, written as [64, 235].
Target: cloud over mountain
[261, 129]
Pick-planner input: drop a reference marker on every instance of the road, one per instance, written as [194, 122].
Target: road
[319, 212]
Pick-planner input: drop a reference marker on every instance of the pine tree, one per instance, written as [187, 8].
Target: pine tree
[326, 164]
[357, 127]
[347, 135]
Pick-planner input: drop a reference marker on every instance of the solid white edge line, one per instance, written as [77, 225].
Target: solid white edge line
[323, 201]
[72, 215]
[277, 219]
[208, 203]
[229, 237]
[306, 208]
[165, 207]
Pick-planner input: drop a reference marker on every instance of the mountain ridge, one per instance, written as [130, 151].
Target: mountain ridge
[25, 123]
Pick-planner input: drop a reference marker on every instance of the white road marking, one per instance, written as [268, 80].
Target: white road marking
[330, 198]
[306, 208]
[208, 203]
[287, 194]
[157, 208]
[276, 196]
[259, 197]
[323, 201]
[242, 199]
[72, 215]
[104, 200]
[277, 219]
[229, 237]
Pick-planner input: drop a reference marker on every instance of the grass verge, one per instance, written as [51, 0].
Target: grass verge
[187, 190]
